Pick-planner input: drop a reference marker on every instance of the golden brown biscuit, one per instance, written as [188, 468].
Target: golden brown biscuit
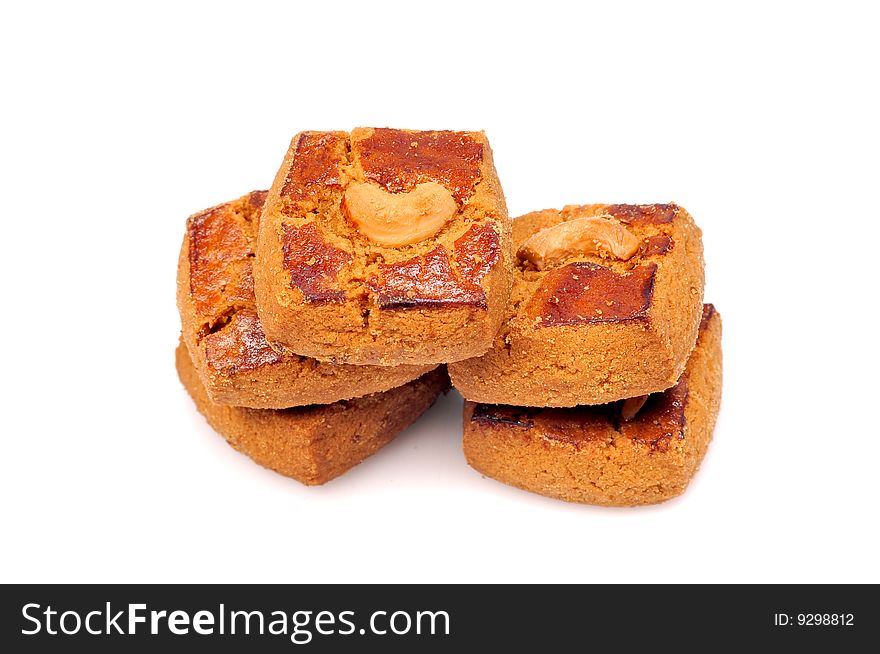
[215, 295]
[605, 305]
[593, 455]
[384, 246]
[315, 444]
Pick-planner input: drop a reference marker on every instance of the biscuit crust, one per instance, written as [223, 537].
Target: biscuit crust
[215, 296]
[590, 454]
[314, 444]
[327, 291]
[594, 329]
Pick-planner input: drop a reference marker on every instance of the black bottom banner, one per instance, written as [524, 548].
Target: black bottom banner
[279, 618]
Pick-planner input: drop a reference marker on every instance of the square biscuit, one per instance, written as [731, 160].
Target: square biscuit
[384, 246]
[586, 325]
[315, 444]
[215, 296]
[592, 454]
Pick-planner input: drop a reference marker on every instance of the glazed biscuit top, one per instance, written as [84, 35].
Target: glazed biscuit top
[592, 263]
[657, 424]
[221, 285]
[397, 217]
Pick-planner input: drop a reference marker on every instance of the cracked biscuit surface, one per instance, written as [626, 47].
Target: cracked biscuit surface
[593, 454]
[594, 317]
[314, 444]
[215, 296]
[384, 246]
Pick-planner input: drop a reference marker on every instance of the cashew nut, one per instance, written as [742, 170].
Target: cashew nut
[396, 219]
[588, 235]
[631, 406]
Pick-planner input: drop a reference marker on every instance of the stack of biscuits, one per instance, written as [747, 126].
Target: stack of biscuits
[320, 318]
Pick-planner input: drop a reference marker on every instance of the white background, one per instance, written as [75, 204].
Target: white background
[117, 123]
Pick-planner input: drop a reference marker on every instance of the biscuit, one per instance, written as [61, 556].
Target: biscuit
[384, 246]
[315, 444]
[592, 454]
[215, 295]
[595, 316]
